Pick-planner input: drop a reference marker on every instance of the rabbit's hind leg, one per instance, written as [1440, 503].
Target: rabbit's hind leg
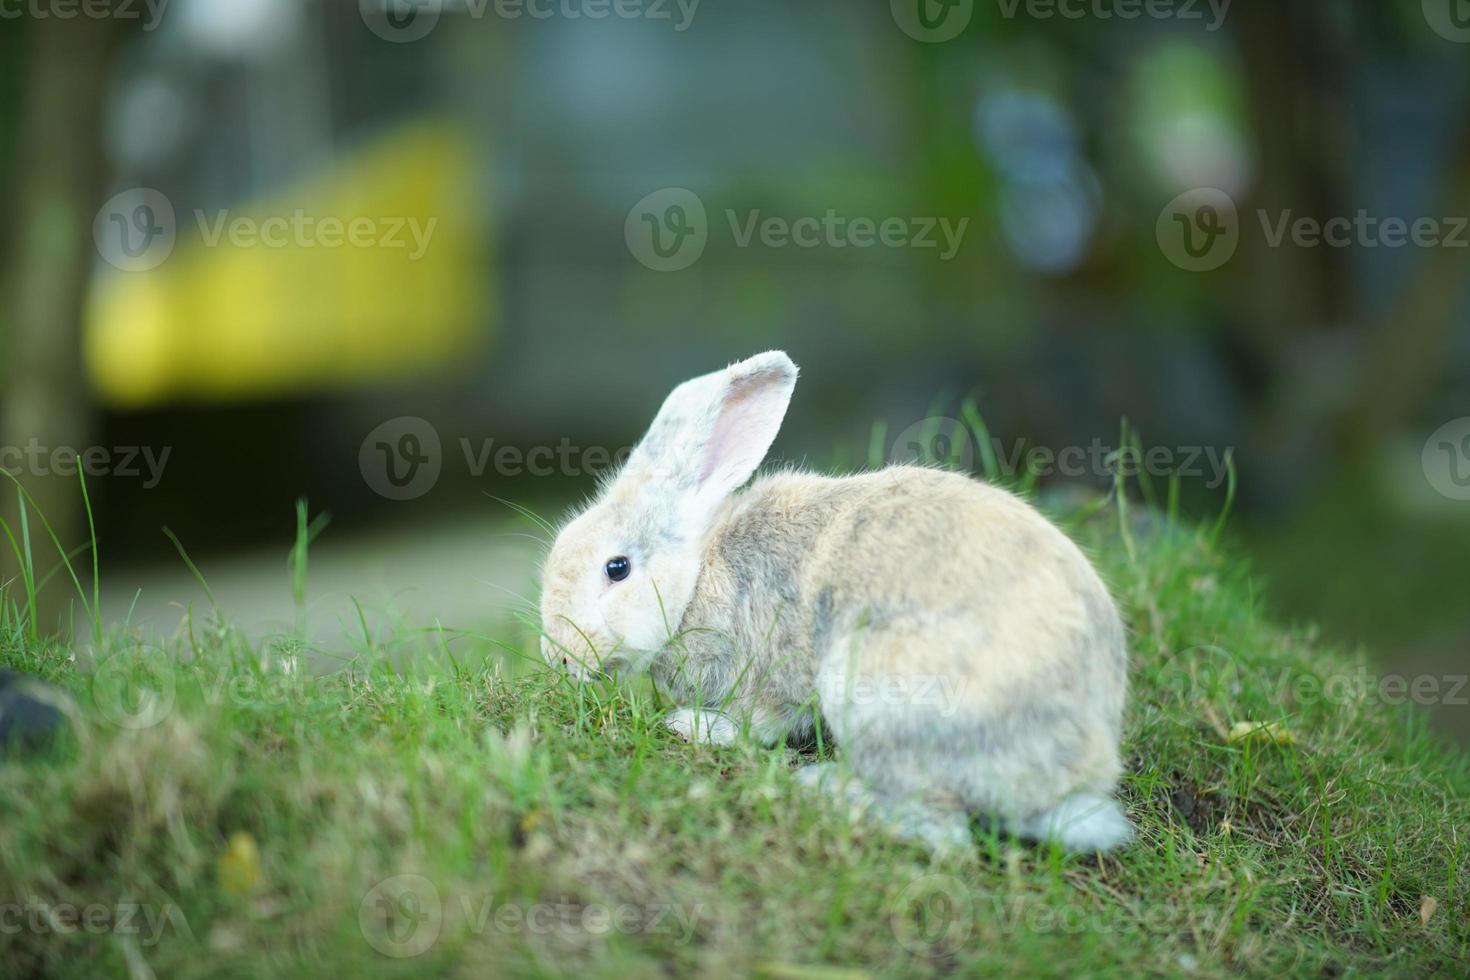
[913, 720]
[942, 830]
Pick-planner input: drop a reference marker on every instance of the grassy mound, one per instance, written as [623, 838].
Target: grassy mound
[433, 807]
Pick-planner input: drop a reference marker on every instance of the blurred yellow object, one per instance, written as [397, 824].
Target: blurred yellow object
[1266, 733]
[239, 865]
[370, 270]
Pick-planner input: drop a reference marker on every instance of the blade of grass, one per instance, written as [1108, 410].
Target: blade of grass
[1172, 516]
[27, 561]
[877, 440]
[980, 432]
[194, 570]
[296, 562]
[1120, 487]
[1230, 487]
[526, 512]
[1145, 480]
[27, 587]
[96, 573]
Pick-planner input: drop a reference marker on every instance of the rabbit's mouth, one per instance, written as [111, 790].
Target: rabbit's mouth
[624, 661]
[590, 655]
[556, 654]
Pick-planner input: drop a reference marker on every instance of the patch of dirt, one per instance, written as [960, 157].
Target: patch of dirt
[1201, 809]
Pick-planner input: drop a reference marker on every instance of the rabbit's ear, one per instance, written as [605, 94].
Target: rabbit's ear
[713, 431]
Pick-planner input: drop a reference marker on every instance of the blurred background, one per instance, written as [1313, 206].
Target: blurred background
[411, 259]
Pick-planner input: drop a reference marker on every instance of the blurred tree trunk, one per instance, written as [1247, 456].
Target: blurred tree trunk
[1297, 63]
[58, 176]
[1409, 346]
[1375, 371]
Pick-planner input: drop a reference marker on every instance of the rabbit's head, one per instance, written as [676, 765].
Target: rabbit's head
[622, 572]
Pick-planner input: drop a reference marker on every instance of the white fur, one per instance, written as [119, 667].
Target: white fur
[1082, 822]
[703, 725]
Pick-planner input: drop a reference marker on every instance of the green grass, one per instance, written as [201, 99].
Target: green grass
[236, 809]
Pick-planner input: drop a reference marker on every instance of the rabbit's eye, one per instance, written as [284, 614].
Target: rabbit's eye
[618, 568]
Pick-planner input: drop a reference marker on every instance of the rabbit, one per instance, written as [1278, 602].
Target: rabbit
[959, 650]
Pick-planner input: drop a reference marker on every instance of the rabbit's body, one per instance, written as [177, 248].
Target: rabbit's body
[952, 638]
[959, 649]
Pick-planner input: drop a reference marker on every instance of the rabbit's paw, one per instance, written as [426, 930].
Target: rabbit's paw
[703, 725]
[1082, 823]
